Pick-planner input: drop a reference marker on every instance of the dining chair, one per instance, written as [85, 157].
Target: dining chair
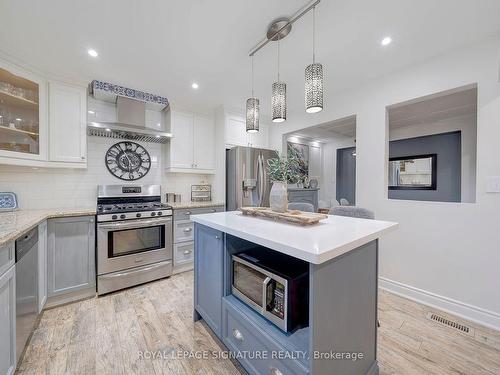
[352, 211]
[344, 202]
[301, 206]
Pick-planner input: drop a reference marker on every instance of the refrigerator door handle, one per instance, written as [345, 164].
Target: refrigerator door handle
[264, 181]
[259, 179]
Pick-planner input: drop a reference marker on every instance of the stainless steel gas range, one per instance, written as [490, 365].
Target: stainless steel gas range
[134, 236]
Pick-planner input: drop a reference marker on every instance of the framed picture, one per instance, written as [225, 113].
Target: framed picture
[413, 172]
[301, 152]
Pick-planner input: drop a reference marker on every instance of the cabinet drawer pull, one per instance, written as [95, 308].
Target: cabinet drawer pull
[275, 371]
[187, 230]
[214, 210]
[187, 213]
[237, 335]
[186, 252]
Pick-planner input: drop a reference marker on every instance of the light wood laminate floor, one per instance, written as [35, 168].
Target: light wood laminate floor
[106, 335]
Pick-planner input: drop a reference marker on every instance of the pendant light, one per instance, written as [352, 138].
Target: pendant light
[278, 98]
[252, 115]
[314, 80]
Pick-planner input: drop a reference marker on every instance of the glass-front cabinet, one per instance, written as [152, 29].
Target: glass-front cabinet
[22, 114]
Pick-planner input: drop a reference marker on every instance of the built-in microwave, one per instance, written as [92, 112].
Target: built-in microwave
[273, 284]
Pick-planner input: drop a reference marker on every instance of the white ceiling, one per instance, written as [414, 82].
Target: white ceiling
[162, 46]
[328, 132]
[437, 107]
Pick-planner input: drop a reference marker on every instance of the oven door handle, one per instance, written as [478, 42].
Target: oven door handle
[134, 224]
[265, 283]
[137, 270]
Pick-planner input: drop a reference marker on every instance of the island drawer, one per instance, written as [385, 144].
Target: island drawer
[7, 256]
[185, 213]
[240, 335]
[183, 231]
[183, 253]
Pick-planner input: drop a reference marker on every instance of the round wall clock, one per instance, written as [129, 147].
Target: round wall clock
[128, 161]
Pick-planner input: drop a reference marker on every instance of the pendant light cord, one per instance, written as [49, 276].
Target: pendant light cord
[252, 78]
[278, 59]
[314, 29]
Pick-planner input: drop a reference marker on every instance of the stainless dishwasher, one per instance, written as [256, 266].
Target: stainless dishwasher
[26, 287]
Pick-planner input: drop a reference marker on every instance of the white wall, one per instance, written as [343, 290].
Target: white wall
[446, 254]
[329, 174]
[76, 188]
[467, 125]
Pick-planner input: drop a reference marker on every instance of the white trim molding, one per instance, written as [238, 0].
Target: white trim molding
[463, 310]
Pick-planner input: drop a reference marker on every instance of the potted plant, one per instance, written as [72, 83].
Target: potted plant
[282, 171]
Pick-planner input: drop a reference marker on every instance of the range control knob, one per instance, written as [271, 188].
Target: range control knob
[160, 213]
[114, 217]
[153, 213]
[138, 215]
[122, 216]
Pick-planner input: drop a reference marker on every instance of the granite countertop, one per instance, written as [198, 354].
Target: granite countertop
[318, 243]
[13, 224]
[180, 205]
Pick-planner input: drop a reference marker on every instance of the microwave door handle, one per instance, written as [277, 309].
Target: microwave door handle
[265, 283]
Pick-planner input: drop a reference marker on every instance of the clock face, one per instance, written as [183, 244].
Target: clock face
[128, 161]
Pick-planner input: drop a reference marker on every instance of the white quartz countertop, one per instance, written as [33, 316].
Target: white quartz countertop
[316, 244]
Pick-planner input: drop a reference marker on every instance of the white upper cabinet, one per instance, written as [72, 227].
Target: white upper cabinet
[204, 143]
[23, 115]
[235, 131]
[236, 134]
[42, 123]
[192, 147]
[181, 144]
[67, 123]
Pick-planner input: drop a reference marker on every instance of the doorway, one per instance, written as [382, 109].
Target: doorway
[346, 176]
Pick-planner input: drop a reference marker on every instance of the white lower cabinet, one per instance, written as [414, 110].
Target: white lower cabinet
[8, 321]
[42, 265]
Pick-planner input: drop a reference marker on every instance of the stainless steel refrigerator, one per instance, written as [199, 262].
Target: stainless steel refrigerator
[247, 180]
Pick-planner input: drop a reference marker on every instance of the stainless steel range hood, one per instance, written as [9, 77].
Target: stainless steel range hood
[130, 114]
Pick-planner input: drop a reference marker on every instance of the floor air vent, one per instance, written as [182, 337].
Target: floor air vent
[450, 323]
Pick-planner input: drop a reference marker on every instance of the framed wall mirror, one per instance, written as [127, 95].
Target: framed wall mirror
[413, 172]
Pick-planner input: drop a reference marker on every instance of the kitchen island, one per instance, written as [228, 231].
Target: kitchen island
[341, 258]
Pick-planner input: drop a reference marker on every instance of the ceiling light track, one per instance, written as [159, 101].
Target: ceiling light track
[281, 27]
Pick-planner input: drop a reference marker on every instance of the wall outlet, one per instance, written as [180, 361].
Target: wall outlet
[493, 184]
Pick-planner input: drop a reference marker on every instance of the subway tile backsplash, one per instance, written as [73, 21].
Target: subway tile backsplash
[73, 188]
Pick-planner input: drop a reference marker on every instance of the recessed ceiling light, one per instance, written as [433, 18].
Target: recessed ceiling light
[194, 85]
[19, 119]
[108, 129]
[91, 112]
[386, 41]
[92, 52]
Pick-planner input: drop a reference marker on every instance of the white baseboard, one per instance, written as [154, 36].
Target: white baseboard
[463, 310]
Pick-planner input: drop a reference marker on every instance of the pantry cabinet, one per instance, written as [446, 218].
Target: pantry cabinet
[192, 147]
[42, 122]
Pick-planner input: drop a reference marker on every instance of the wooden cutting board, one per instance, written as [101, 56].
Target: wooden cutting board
[291, 216]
